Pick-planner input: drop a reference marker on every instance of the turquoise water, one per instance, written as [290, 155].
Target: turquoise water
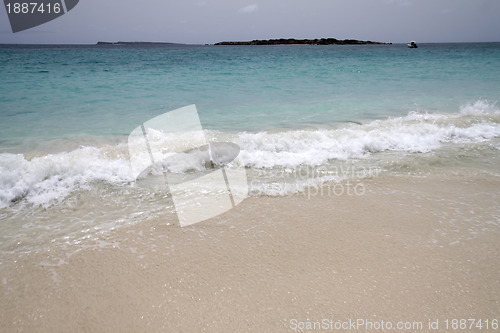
[52, 92]
[298, 113]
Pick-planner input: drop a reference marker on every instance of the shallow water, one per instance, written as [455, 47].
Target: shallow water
[303, 117]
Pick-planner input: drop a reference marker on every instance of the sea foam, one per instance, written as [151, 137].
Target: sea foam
[414, 133]
[47, 180]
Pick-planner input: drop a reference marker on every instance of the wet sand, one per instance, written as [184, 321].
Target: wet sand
[409, 249]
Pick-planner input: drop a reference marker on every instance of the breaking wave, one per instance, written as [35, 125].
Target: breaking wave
[49, 179]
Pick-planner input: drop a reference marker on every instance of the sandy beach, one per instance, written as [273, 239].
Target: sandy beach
[250, 166]
[409, 249]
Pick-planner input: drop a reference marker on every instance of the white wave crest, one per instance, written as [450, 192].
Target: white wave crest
[414, 133]
[49, 179]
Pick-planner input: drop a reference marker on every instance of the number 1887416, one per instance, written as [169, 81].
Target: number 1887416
[33, 8]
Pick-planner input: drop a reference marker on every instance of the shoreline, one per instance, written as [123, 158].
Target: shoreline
[408, 249]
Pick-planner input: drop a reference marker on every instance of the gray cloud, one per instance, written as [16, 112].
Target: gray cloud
[399, 2]
[249, 9]
[210, 21]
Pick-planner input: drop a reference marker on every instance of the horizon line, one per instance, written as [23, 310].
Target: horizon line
[212, 44]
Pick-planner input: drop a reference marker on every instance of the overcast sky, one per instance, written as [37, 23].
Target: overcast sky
[210, 21]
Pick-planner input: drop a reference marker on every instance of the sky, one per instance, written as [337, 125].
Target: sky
[211, 21]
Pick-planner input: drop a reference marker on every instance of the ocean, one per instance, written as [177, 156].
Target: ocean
[342, 183]
[303, 117]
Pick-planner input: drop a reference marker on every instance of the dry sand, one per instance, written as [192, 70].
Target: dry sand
[411, 249]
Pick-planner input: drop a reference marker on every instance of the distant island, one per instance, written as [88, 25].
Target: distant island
[293, 41]
[136, 43]
[281, 41]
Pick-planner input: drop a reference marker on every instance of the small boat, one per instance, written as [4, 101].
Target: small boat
[412, 45]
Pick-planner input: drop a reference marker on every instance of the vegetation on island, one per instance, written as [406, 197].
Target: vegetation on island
[293, 41]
